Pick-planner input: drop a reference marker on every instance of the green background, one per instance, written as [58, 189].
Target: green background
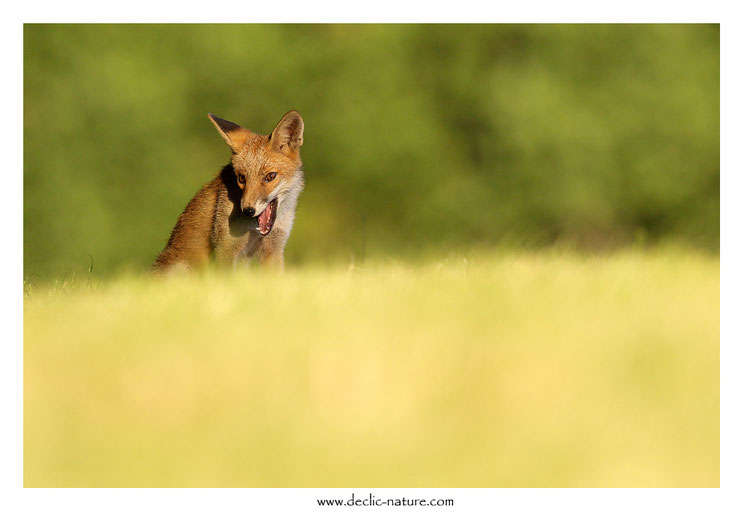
[417, 137]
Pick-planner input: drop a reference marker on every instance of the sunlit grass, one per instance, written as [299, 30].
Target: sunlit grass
[498, 370]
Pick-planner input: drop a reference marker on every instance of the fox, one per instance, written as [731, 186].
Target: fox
[248, 208]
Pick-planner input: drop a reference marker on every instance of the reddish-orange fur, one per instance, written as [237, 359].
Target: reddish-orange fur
[214, 224]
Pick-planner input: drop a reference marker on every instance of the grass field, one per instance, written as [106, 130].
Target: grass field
[501, 370]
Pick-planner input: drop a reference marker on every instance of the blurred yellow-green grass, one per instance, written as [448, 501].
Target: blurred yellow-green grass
[498, 370]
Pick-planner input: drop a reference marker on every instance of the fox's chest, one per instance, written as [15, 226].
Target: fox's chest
[244, 235]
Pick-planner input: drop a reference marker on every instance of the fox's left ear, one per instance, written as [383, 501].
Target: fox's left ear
[287, 136]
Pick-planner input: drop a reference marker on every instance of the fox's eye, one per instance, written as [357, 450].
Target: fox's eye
[269, 177]
[241, 179]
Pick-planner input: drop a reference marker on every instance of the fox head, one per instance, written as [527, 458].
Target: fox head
[267, 168]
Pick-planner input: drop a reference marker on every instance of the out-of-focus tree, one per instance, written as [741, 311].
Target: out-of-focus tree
[417, 136]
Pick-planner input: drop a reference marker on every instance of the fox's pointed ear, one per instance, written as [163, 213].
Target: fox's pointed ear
[287, 136]
[226, 128]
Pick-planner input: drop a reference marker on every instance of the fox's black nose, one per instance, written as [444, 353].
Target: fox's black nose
[249, 212]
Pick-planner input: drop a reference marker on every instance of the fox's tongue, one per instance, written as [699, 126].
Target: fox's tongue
[266, 219]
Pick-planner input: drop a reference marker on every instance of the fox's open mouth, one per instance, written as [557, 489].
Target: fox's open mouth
[267, 218]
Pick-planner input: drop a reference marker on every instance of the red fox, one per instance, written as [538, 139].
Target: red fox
[248, 208]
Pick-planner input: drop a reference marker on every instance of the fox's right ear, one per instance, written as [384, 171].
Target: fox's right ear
[228, 131]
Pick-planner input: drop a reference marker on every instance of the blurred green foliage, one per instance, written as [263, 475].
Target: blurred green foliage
[416, 136]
